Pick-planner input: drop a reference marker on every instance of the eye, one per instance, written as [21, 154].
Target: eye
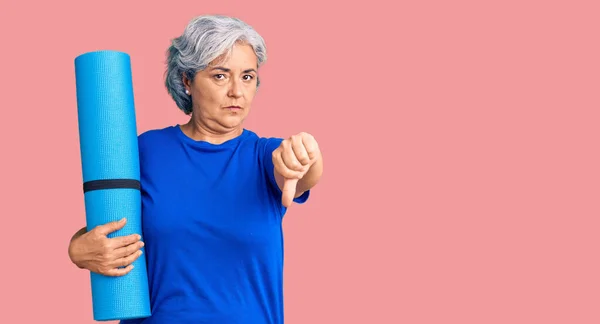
[248, 77]
[219, 76]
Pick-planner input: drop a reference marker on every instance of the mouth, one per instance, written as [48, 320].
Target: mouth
[233, 107]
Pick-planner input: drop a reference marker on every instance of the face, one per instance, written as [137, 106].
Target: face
[222, 93]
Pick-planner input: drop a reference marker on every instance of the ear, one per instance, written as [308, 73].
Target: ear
[186, 82]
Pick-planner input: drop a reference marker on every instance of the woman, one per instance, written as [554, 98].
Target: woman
[213, 193]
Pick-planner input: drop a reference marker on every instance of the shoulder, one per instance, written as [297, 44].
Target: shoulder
[154, 134]
[265, 144]
[152, 137]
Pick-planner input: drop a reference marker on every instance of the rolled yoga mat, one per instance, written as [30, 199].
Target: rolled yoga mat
[111, 173]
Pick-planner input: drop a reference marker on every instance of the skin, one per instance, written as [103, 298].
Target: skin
[96, 252]
[227, 81]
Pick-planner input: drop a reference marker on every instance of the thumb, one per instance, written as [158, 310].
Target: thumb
[108, 228]
[289, 191]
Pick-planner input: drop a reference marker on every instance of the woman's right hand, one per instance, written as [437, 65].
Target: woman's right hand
[96, 252]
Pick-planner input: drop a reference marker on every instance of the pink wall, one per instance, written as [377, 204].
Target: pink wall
[460, 143]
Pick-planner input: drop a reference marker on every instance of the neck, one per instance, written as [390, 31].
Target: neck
[200, 131]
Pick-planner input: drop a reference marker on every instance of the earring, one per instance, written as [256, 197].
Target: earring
[187, 92]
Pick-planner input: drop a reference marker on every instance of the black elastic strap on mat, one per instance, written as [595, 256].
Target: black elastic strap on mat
[111, 184]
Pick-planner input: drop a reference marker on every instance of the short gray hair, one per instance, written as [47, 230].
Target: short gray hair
[204, 39]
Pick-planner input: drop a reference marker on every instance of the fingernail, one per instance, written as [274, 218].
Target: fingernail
[139, 237]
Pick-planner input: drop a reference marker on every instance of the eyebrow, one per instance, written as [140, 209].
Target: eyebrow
[229, 70]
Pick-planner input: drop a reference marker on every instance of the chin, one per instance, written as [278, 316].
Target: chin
[232, 121]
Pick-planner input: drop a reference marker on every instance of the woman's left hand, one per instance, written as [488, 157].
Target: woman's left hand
[293, 159]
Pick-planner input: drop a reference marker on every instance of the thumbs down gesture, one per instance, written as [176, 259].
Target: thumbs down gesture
[298, 166]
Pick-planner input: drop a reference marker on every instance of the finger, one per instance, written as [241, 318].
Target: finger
[289, 191]
[300, 150]
[311, 146]
[117, 272]
[121, 241]
[128, 250]
[126, 261]
[282, 169]
[289, 158]
[110, 227]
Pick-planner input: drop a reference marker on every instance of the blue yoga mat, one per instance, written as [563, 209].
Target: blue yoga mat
[111, 173]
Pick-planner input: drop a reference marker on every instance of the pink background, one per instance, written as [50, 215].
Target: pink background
[460, 143]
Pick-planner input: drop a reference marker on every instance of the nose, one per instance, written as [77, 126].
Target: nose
[235, 89]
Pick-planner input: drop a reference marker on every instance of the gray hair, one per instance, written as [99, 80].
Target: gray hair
[204, 39]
